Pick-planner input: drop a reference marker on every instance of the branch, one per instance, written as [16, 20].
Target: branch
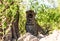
[7, 6]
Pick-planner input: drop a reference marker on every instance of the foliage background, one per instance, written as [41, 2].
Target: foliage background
[47, 18]
[8, 9]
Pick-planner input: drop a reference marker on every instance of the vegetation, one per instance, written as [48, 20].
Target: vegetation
[48, 18]
[8, 10]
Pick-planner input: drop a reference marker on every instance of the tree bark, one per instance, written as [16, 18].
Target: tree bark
[15, 28]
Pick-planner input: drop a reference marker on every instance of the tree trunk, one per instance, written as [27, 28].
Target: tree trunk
[15, 28]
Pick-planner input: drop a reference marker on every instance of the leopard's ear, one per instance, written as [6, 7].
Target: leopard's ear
[26, 12]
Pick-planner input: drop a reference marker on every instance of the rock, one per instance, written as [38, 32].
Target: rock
[55, 36]
[28, 37]
[34, 39]
[40, 36]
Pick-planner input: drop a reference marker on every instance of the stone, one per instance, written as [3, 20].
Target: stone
[55, 36]
[28, 37]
